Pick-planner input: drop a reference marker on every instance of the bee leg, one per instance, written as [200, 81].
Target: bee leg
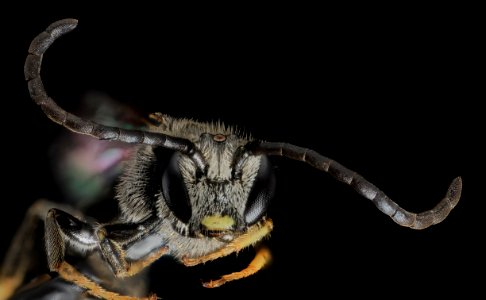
[129, 248]
[20, 253]
[262, 258]
[62, 228]
[69, 273]
[252, 236]
[123, 268]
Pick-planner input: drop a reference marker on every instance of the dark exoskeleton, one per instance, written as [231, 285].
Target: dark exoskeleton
[210, 200]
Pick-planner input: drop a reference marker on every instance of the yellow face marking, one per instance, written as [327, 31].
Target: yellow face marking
[218, 222]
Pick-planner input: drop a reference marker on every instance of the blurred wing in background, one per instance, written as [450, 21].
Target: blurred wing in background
[86, 168]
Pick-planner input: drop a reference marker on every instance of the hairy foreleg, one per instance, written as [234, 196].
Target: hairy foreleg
[251, 237]
[110, 240]
[69, 273]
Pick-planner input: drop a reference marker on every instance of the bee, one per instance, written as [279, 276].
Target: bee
[209, 200]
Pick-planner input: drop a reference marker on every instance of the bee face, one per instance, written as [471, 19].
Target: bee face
[217, 203]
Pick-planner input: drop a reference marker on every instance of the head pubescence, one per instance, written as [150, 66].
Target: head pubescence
[217, 202]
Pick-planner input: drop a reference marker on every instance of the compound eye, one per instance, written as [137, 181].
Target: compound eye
[175, 191]
[261, 193]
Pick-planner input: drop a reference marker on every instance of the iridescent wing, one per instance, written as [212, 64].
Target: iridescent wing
[86, 168]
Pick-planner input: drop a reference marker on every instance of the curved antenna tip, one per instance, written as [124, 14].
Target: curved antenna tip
[454, 191]
[65, 25]
[67, 21]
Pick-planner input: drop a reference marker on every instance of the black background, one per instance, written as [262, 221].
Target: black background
[390, 95]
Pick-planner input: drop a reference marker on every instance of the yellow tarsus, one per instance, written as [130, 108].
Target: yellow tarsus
[69, 273]
[262, 258]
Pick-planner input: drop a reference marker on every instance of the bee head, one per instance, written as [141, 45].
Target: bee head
[232, 194]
